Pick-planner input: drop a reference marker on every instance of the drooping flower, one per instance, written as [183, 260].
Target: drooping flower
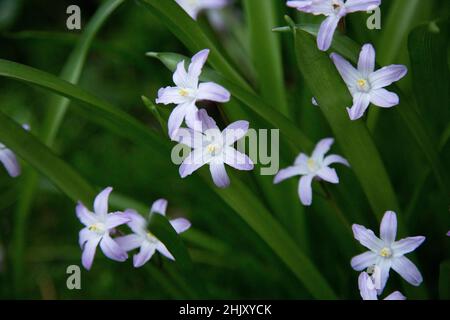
[367, 85]
[386, 253]
[368, 290]
[9, 159]
[448, 234]
[215, 148]
[144, 239]
[315, 166]
[335, 10]
[193, 7]
[98, 227]
[188, 91]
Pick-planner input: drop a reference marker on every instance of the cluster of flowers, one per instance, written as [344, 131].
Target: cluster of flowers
[366, 86]
[100, 225]
[214, 147]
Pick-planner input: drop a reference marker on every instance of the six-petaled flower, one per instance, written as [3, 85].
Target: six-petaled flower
[367, 85]
[214, 147]
[98, 228]
[386, 253]
[315, 166]
[143, 239]
[188, 91]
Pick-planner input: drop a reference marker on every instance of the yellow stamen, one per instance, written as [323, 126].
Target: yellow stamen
[385, 252]
[212, 148]
[312, 165]
[184, 92]
[362, 83]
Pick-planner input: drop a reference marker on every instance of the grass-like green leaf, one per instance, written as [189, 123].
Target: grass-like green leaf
[265, 52]
[256, 215]
[90, 106]
[428, 45]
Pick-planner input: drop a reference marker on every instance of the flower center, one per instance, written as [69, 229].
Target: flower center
[184, 92]
[99, 228]
[385, 252]
[312, 165]
[213, 149]
[363, 85]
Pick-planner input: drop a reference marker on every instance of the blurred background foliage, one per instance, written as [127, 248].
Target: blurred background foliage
[229, 255]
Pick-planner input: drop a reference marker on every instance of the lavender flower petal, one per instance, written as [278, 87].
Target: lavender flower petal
[287, 173]
[145, 253]
[169, 95]
[219, 174]
[112, 250]
[387, 75]
[159, 206]
[84, 236]
[334, 158]
[388, 227]
[364, 290]
[164, 251]
[180, 77]
[213, 92]
[196, 66]
[396, 295]
[383, 98]
[346, 70]
[405, 268]
[407, 245]
[180, 224]
[361, 102]
[101, 202]
[366, 63]
[364, 260]
[237, 160]
[322, 147]
[176, 118]
[116, 219]
[129, 242]
[326, 32]
[367, 238]
[9, 160]
[208, 123]
[87, 257]
[235, 131]
[328, 174]
[305, 189]
[193, 162]
[361, 5]
[84, 215]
